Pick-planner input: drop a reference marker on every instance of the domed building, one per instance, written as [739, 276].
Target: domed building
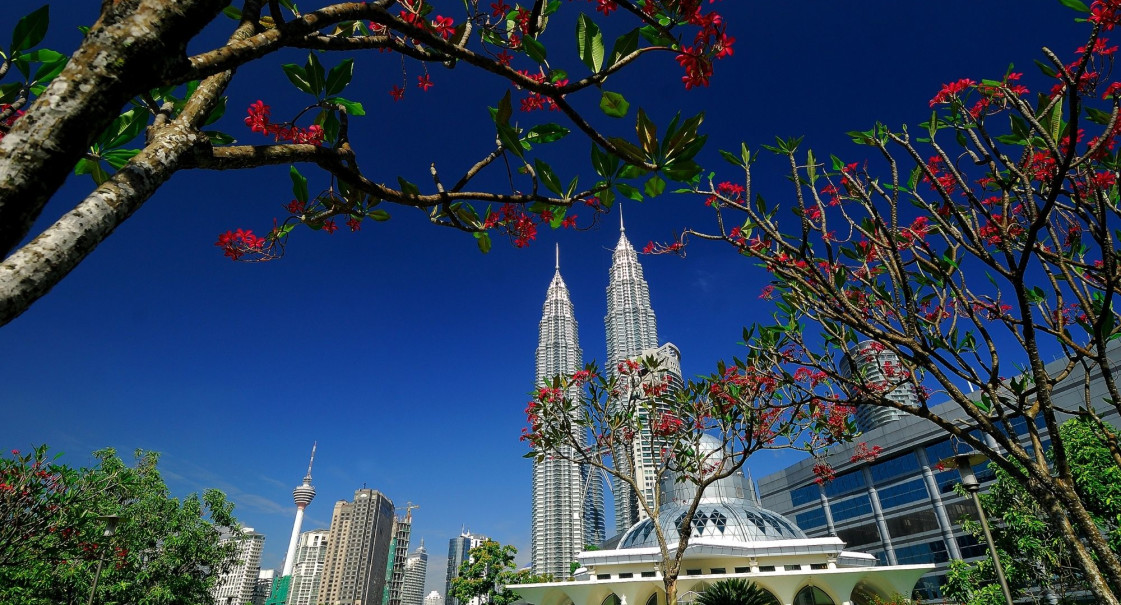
[732, 536]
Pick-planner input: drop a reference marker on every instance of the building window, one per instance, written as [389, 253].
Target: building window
[603, 576]
[692, 572]
[805, 495]
[766, 568]
[851, 508]
[743, 570]
[930, 552]
[861, 534]
[810, 519]
[885, 471]
[843, 484]
[625, 575]
[903, 493]
[717, 570]
[818, 566]
[648, 574]
[792, 567]
[912, 523]
[812, 595]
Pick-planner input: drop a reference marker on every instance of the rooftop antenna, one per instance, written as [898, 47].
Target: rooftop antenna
[558, 256]
[621, 227]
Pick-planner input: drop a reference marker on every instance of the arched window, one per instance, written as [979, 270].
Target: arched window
[611, 599]
[812, 595]
[653, 600]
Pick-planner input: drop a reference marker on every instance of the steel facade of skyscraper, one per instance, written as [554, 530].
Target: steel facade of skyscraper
[238, 585]
[880, 367]
[458, 552]
[901, 507]
[568, 509]
[631, 329]
[567, 498]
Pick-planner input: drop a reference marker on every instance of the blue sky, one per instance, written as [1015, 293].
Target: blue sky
[402, 350]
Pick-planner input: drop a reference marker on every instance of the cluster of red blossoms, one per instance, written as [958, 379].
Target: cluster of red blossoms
[668, 424]
[237, 243]
[711, 42]
[258, 121]
[1105, 12]
[863, 453]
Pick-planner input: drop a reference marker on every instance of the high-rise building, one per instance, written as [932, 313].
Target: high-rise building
[237, 585]
[357, 550]
[631, 329]
[459, 549]
[261, 590]
[567, 497]
[307, 573]
[416, 568]
[880, 370]
[398, 553]
[433, 598]
[279, 594]
[648, 448]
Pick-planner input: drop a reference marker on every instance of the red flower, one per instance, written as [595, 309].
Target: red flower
[951, 90]
[330, 226]
[445, 26]
[396, 92]
[424, 82]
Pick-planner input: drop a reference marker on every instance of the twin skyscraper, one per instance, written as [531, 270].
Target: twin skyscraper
[568, 499]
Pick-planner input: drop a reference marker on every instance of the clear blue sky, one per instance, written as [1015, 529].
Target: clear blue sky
[402, 350]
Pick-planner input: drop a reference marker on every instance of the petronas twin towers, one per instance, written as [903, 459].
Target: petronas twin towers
[568, 507]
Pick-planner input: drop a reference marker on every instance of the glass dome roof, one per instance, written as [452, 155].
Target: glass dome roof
[727, 511]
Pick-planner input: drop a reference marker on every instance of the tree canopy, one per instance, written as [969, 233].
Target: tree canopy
[53, 526]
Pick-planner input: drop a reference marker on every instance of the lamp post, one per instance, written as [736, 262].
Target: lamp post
[964, 463]
[110, 529]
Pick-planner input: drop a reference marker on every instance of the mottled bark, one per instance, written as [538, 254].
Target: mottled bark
[126, 52]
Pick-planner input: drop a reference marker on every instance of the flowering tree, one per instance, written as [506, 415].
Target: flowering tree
[988, 245]
[52, 537]
[488, 572]
[64, 114]
[639, 426]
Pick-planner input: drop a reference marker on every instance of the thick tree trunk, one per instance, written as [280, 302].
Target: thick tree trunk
[127, 52]
[1098, 573]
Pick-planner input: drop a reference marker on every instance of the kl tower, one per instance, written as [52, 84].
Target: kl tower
[302, 496]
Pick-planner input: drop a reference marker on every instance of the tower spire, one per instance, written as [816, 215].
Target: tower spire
[558, 256]
[622, 229]
[307, 478]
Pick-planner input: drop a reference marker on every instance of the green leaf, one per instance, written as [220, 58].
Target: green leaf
[407, 187]
[509, 139]
[655, 186]
[629, 192]
[732, 158]
[647, 133]
[92, 168]
[52, 63]
[124, 129]
[1076, 5]
[299, 184]
[589, 42]
[217, 112]
[339, 76]
[613, 104]
[218, 138]
[298, 77]
[232, 12]
[353, 108]
[604, 163]
[378, 215]
[624, 45]
[30, 30]
[314, 71]
[502, 114]
[546, 133]
[117, 158]
[9, 91]
[630, 153]
[534, 48]
[483, 240]
[683, 171]
[547, 176]
[630, 171]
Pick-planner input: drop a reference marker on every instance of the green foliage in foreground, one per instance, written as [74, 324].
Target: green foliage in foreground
[164, 551]
[1033, 552]
[486, 573]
